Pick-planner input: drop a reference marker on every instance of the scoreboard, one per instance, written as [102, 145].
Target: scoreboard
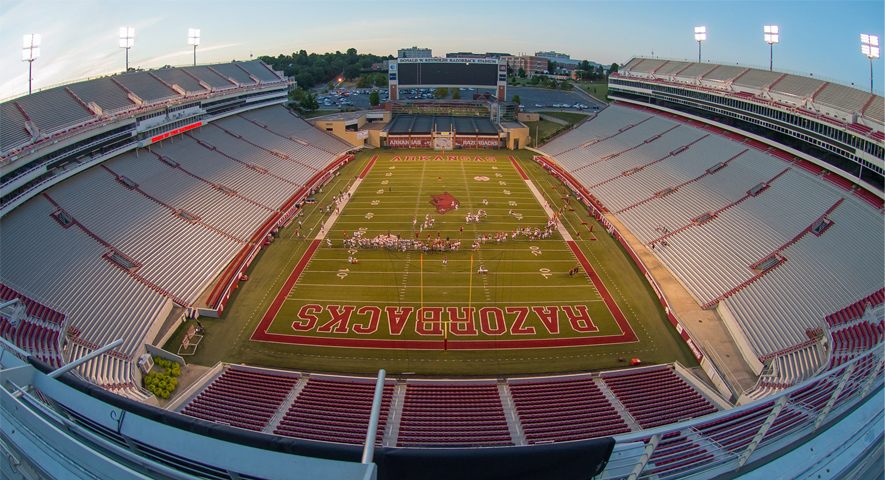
[447, 72]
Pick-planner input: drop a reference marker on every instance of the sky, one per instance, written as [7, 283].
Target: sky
[818, 37]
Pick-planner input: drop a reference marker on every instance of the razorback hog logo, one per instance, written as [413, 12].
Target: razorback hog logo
[444, 202]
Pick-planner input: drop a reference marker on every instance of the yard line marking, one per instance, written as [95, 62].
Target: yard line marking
[381, 272]
[375, 285]
[387, 260]
[455, 302]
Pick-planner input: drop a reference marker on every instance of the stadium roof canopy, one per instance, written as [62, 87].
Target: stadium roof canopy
[427, 124]
[762, 83]
[31, 117]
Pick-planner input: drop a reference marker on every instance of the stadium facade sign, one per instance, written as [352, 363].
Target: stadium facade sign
[487, 61]
[444, 158]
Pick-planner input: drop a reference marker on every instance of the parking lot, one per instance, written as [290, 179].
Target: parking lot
[531, 98]
[535, 99]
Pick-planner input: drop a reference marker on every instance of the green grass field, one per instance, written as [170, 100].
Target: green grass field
[410, 312]
[598, 89]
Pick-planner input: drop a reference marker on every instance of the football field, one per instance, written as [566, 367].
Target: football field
[474, 262]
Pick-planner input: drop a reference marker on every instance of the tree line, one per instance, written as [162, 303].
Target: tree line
[310, 69]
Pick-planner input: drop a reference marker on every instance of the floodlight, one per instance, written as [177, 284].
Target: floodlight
[771, 34]
[30, 47]
[193, 38]
[700, 35]
[127, 37]
[30, 52]
[127, 41]
[869, 46]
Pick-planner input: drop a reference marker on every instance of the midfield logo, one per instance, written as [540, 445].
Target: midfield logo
[444, 202]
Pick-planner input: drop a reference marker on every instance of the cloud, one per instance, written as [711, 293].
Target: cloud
[182, 56]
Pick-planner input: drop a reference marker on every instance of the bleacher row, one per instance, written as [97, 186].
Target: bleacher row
[115, 246]
[446, 413]
[717, 211]
[795, 90]
[35, 329]
[857, 328]
[46, 112]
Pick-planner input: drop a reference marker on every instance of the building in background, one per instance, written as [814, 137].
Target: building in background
[533, 65]
[414, 52]
[564, 62]
[476, 55]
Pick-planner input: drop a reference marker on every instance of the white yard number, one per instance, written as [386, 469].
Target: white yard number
[351, 251]
[392, 167]
[502, 182]
[517, 216]
[363, 230]
[375, 203]
[385, 182]
[342, 272]
[536, 250]
[494, 167]
[388, 174]
[498, 175]
[380, 191]
[370, 216]
[506, 192]
[511, 203]
[545, 272]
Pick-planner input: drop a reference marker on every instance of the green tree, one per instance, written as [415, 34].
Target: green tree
[364, 81]
[441, 92]
[613, 68]
[309, 102]
[351, 52]
[351, 71]
[456, 94]
[521, 72]
[552, 66]
[374, 98]
[516, 99]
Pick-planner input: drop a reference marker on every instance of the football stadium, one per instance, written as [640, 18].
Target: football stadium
[200, 280]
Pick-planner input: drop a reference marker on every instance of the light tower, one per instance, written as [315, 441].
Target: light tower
[193, 38]
[700, 35]
[30, 52]
[771, 34]
[869, 46]
[127, 41]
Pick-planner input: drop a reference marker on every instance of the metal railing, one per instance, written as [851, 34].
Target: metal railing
[730, 439]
